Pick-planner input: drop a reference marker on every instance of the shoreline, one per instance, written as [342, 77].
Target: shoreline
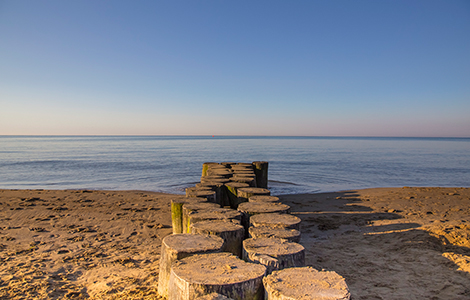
[389, 243]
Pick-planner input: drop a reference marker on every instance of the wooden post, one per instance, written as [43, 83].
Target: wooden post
[214, 214]
[232, 192]
[177, 216]
[245, 193]
[276, 220]
[205, 167]
[261, 171]
[178, 246]
[250, 180]
[192, 189]
[249, 209]
[305, 283]
[292, 235]
[274, 253]
[233, 234]
[222, 273]
[264, 199]
[189, 207]
[206, 194]
[218, 188]
[213, 296]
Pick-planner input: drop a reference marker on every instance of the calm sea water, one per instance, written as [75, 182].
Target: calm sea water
[172, 163]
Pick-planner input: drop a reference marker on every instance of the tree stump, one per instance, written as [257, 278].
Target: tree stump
[178, 246]
[233, 234]
[189, 207]
[213, 296]
[305, 283]
[276, 220]
[261, 171]
[292, 235]
[232, 192]
[274, 253]
[245, 193]
[264, 199]
[249, 209]
[206, 194]
[223, 214]
[222, 273]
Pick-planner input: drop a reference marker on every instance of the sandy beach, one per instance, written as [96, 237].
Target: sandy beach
[389, 243]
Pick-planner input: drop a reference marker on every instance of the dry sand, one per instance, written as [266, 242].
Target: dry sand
[389, 243]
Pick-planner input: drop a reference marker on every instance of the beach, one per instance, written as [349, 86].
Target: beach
[388, 243]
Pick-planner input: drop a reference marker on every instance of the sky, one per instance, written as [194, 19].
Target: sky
[301, 68]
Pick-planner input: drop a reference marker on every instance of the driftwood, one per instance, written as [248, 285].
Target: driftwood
[178, 246]
[292, 235]
[222, 273]
[232, 234]
[232, 192]
[189, 207]
[276, 220]
[261, 171]
[305, 283]
[274, 253]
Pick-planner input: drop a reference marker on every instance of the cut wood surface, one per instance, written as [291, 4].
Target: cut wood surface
[189, 207]
[250, 180]
[215, 214]
[275, 253]
[292, 235]
[245, 193]
[276, 220]
[249, 209]
[205, 194]
[221, 273]
[205, 167]
[178, 246]
[305, 283]
[232, 234]
[261, 198]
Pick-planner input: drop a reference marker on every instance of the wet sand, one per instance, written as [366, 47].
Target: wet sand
[389, 243]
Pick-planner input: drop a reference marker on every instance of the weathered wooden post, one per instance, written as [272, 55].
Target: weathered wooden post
[205, 167]
[222, 273]
[245, 193]
[261, 171]
[233, 234]
[250, 180]
[213, 296]
[249, 209]
[232, 192]
[206, 194]
[189, 207]
[264, 199]
[178, 246]
[274, 253]
[276, 220]
[177, 215]
[305, 283]
[218, 188]
[292, 235]
[214, 214]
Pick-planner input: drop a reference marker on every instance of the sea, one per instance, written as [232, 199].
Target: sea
[171, 163]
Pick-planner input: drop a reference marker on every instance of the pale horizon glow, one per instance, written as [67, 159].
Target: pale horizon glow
[264, 68]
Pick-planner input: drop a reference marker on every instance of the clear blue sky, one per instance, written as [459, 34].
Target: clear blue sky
[334, 68]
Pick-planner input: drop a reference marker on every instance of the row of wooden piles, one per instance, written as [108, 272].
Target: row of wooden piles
[233, 240]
